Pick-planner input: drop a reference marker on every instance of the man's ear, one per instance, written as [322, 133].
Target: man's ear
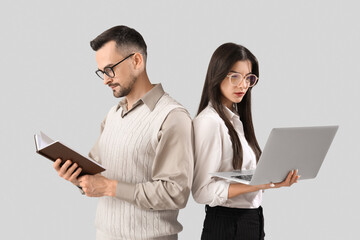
[138, 61]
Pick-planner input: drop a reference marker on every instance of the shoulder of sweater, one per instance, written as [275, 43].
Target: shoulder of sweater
[112, 110]
[178, 114]
[176, 107]
[169, 100]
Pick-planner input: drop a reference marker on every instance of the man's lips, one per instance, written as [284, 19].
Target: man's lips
[113, 86]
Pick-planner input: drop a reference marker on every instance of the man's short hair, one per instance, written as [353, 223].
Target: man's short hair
[128, 40]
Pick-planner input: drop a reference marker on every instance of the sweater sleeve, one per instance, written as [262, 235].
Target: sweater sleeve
[208, 156]
[172, 169]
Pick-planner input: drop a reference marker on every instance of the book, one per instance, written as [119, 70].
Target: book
[53, 150]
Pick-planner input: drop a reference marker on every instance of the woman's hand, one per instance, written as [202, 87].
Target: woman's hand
[291, 178]
[236, 189]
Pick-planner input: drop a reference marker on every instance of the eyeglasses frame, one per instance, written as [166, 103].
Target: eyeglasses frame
[111, 68]
[243, 77]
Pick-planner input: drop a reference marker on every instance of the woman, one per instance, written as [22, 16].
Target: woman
[224, 141]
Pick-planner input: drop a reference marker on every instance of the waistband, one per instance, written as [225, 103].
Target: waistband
[233, 211]
[102, 236]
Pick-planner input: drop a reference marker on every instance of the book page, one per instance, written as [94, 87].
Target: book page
[43, 140]
[36, 137]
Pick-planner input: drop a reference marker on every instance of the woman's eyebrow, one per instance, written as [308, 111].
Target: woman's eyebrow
[238, 72]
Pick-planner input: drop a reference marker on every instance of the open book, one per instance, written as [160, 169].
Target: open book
[53, 150]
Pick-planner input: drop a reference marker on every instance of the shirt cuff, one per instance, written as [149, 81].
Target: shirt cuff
[221, 194]
[125, 191]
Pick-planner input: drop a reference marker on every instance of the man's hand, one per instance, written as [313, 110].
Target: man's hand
[68, 171]
[92, 185]
[97, 185]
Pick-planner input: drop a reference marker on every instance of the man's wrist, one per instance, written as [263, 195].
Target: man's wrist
[112, 184]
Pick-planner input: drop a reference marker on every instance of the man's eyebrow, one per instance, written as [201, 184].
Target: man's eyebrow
[108, 65]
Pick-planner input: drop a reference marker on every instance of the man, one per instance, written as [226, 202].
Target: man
[145, 144]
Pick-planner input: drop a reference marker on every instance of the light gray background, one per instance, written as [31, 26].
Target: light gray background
[309, 75]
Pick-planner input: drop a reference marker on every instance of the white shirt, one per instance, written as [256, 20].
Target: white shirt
[214, 153]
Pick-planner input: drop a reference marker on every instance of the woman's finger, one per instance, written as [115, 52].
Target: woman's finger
[288, 178]
[294, 176]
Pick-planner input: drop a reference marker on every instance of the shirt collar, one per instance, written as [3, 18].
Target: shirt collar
[150, 99]
[229, 114]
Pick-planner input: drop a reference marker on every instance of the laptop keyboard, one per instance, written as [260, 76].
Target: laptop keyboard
[243, 177]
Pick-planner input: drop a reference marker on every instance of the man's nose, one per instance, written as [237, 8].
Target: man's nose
[107, 79]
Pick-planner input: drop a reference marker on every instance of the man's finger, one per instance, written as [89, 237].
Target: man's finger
[86, 191]
[70, 171]
[74, 176]
[56, 164]
[64, 168]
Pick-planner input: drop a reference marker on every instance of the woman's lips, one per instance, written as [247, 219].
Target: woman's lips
[240, 94]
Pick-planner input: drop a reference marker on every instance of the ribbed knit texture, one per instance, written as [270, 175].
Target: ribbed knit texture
[127, 150]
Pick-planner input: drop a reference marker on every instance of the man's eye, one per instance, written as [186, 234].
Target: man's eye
[107, 70]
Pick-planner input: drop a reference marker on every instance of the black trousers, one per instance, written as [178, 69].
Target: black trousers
[223, 223]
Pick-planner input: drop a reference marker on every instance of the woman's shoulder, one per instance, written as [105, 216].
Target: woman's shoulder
[208, 116]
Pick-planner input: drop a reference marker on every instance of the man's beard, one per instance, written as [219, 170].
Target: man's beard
[124, 91]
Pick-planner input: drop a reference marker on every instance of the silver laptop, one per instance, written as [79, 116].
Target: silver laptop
[302, 148]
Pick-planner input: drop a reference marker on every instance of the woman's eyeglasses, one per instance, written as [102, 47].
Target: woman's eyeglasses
[237, 78]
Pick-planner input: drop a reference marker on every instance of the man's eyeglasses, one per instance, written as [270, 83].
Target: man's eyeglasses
[109, 71]
[237, 78]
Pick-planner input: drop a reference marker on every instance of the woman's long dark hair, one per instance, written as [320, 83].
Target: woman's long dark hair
[220, 64]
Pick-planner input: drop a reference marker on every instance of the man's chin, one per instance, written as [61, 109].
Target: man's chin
[122, 92]
[118, 94]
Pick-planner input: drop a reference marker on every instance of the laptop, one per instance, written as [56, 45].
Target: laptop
[302, 148]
